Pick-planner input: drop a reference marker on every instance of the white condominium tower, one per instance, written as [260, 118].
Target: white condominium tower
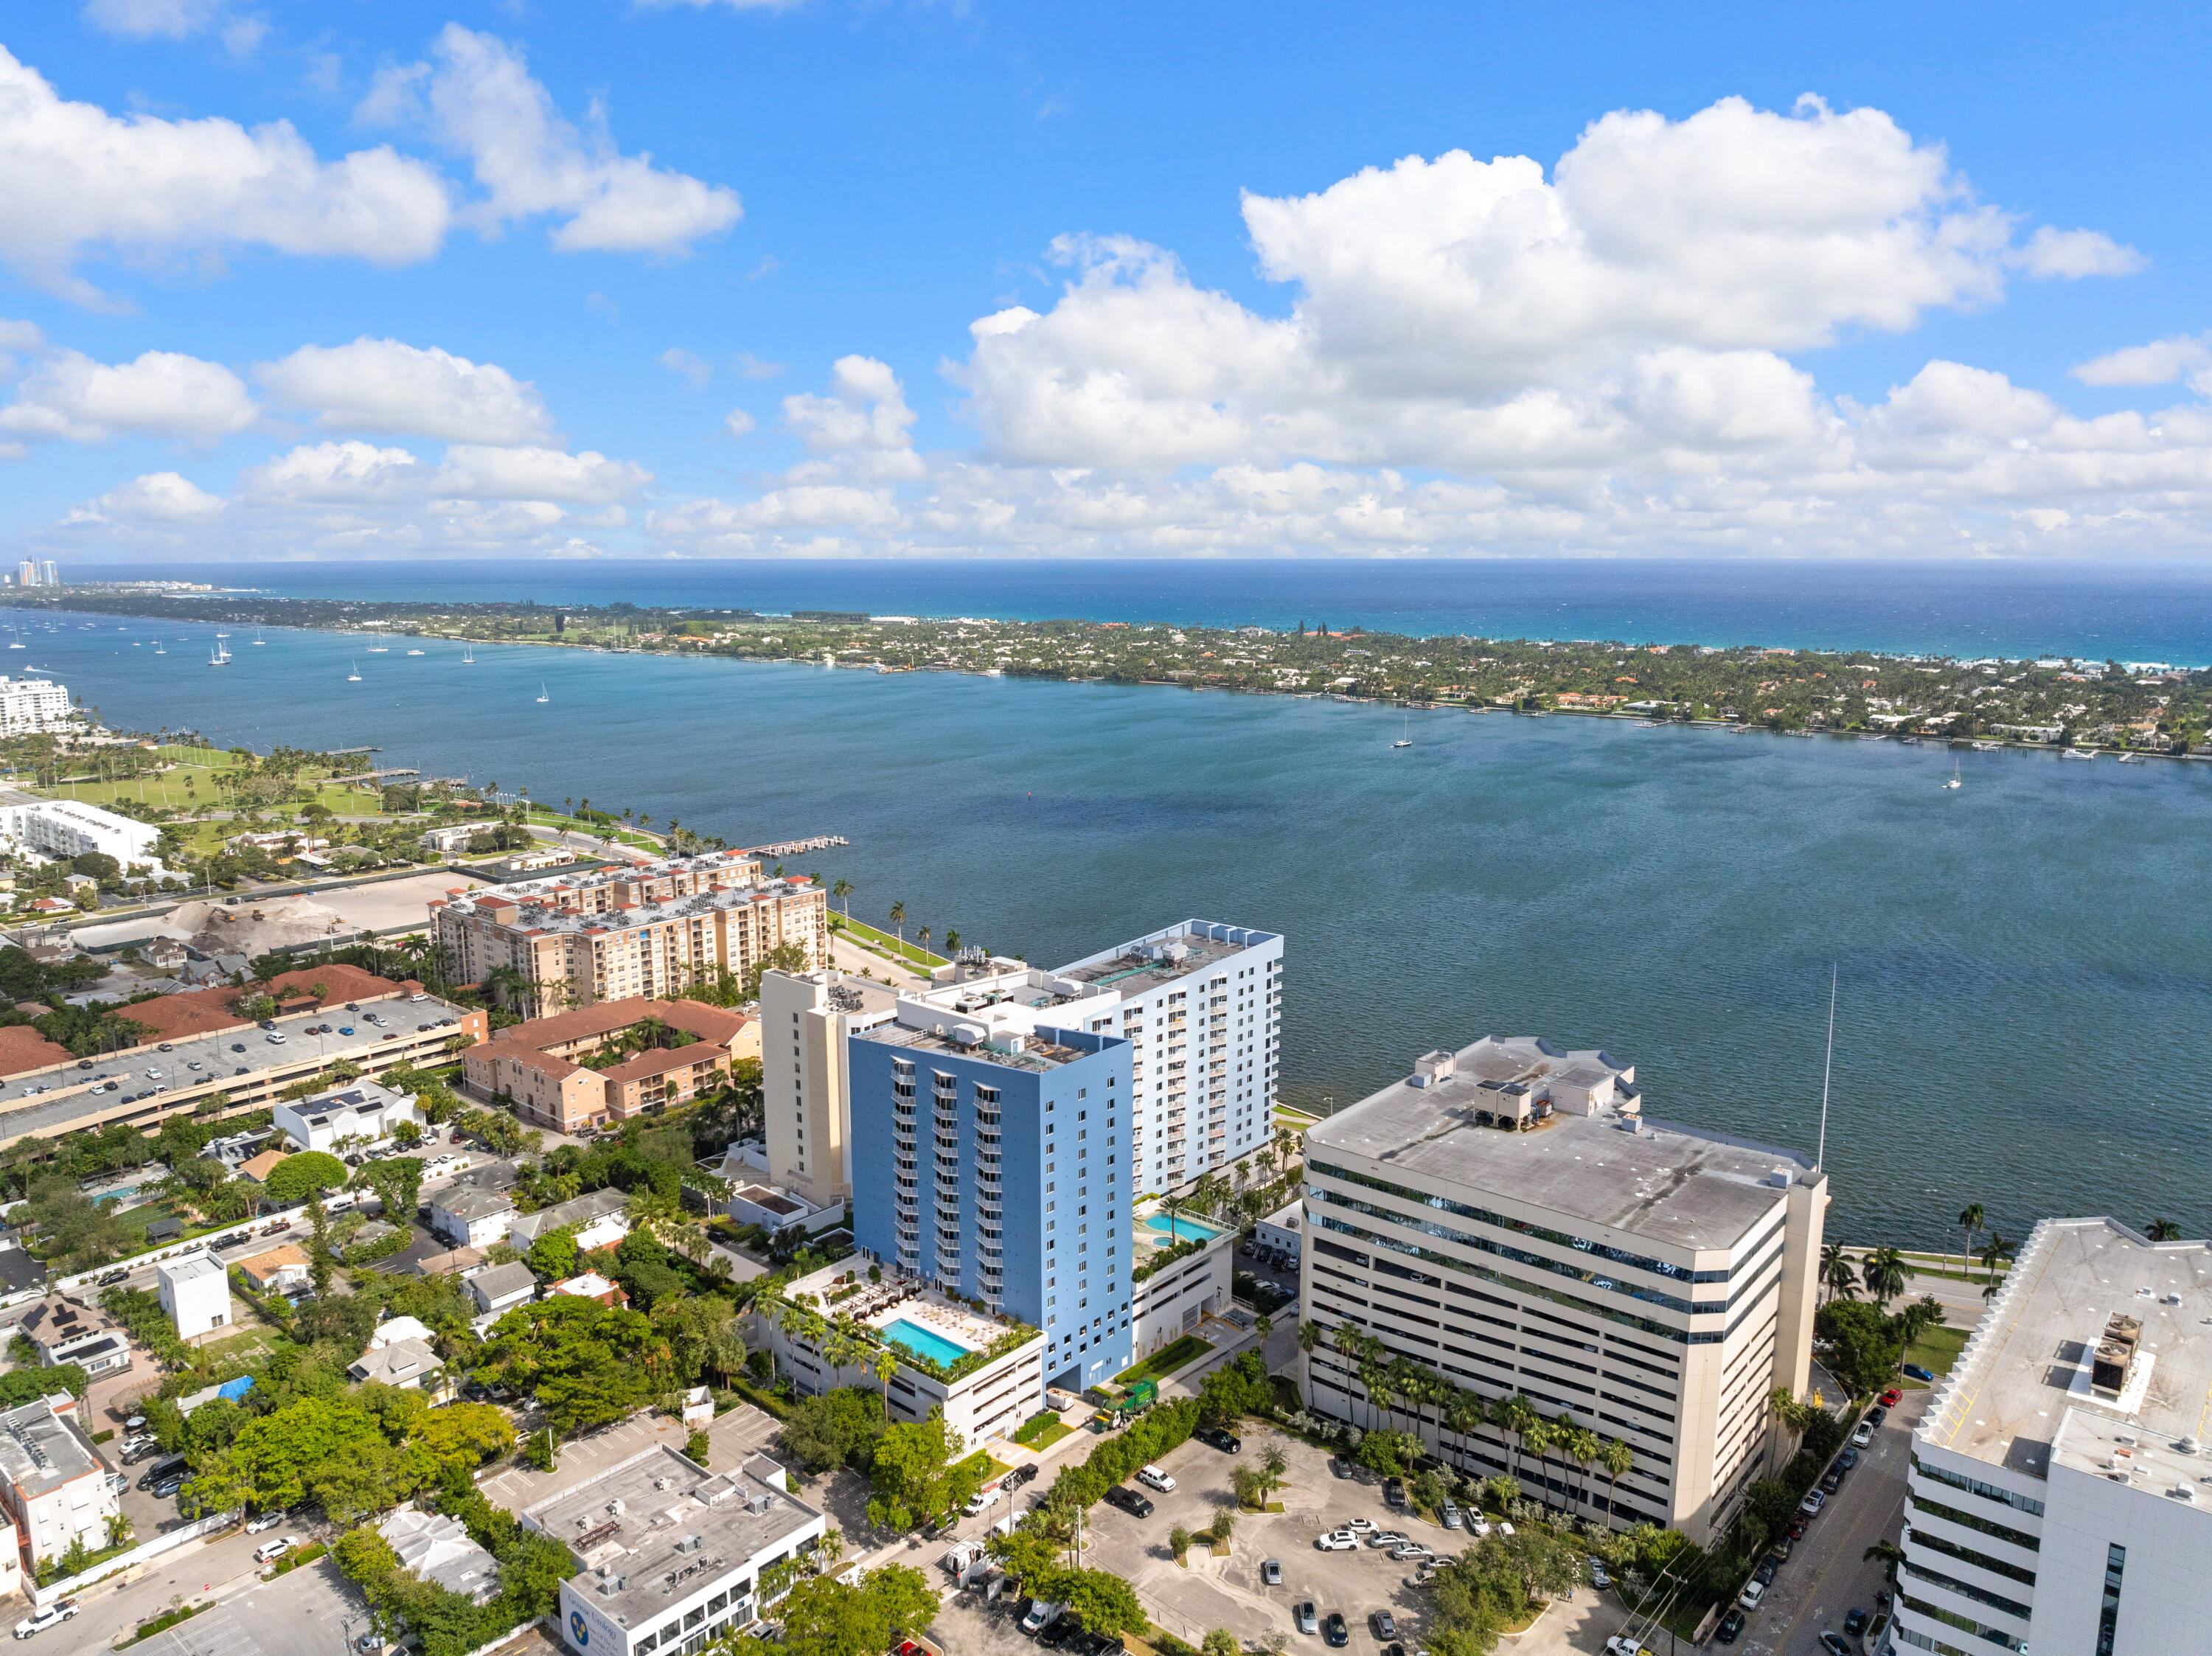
[31, 706]
[2059, 1496]
[1199, 1005]
[1506, 1218]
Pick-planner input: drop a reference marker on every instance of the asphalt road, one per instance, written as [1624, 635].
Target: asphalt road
[1827, 1575]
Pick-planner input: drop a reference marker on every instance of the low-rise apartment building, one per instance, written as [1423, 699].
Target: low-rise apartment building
[619, 934]
[2059, 1494]
[468, 1216]
[1507, 1218]
[669, 1555]
[557, 1072]
[599, 1218]
[54, 1487]
[199, 1044]
[63, 828]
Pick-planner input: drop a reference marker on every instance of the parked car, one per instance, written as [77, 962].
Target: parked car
[1832, 1481]
[1891, 1397]
[1305, 1617]
[1731, 1625]
[1865, 1434]
[1154, 1477]
[1855, 1622]
[53, 1616]
[1022, 1474]
[1333, 1631]
[1454, 1517]
[1057, 1630]
[1339, 1466]
[1814, 1500]
[1394, 1491]
[1598, 1577]
[1914, 1371]
[1214, 1437]
[1752, 1594]
[270, 1551]
[1382, 1540]
[1876, 1415]
[1406, 1551]
[1362, 1525]
[1271, 1572]
[1849, 1459]
[1765, 1574]
[1383, 1623]
[1835, 1644]
[1129, 1500]
[265, 1522]
[1337, 1541]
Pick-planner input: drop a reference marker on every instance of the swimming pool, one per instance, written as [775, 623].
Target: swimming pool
[1182, 1230]
[924, 1341]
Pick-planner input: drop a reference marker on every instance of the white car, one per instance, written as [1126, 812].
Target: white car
[1361, 1526]
[1864, 1436]
[1152, 1478]
[1337, 1541]
[38, 1620]
[270, 1551]
[266, 1521]
[1752, 1594]
[1598, 1577]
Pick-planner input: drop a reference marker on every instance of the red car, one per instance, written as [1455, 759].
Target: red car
[1891, 1397]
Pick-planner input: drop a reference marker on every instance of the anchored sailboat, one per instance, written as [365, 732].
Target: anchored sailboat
[542, 696]
[354, 677]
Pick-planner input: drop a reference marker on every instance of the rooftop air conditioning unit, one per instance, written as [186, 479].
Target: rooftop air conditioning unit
[760, 1503]
[689, 1543]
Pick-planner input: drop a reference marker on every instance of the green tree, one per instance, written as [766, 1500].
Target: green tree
[2162, 1230]
[824, 1617]
[1104, 1603]
[1885, 1273]
[837, 1429]
[555, 1255]
[1971, 1219]
[297, 1177]
[915, 1479]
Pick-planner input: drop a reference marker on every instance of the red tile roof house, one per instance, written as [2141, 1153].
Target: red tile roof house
[536, 1063]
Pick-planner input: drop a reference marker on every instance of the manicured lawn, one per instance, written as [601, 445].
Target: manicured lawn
[884, 942]
[1937, 1348]
[1042, 1430]
[1166, 1360]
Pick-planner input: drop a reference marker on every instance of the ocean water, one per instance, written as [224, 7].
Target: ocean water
[2025, 964]
[2133, 612]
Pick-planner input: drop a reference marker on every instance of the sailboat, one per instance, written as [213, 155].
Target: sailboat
[1406, 740]
[542, 696]
[1955, 781]
[221, 658]
[158, 650]
[468, 655]
[354, 677]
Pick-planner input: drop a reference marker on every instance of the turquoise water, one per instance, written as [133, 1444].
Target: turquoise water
[925, 1342]
[1182, 1230]
[2026, 963]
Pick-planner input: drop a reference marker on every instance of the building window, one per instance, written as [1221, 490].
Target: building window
[2108, 1621]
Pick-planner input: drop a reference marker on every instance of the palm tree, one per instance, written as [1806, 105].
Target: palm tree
[1885, 1271]
[1308, 1336]
[1997, 1249]
[1970, 1220]
[1842, 1278]
[2163, 1230]
[1831, 1255]
[1585, 1446]
[1520, 1414]
[1346, 1340]
[1619, 1460]
[886, 1366]
[951, 942]
[923, 934]
[898, 919]
[1539, 1435]
[1375, 1380]
[1462, 1415]
[1889, 1555]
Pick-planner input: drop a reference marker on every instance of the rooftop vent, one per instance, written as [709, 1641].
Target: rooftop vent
[2114, 1355]
[967, 1035]
[1779, 1178]
[1431, 1067]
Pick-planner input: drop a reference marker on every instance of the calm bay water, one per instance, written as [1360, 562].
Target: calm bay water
[2135, 612]
[2026, 963]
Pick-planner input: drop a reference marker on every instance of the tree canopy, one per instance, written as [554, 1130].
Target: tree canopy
[298, 1177]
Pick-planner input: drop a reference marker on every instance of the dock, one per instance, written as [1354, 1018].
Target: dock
[796, 847]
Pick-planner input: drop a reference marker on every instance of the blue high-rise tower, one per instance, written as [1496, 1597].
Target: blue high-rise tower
[994, 1164]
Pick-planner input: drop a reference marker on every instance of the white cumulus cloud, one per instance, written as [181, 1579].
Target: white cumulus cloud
[393, 389]
[476, 95]
[75, 178]
[2159, 363]
[69, 397]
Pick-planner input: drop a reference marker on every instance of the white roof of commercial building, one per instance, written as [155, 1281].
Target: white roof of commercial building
[2026, 1374]
[1675, 1186]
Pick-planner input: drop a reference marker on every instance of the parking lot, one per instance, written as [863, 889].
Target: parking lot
[310, 1610]
[1227, 1592]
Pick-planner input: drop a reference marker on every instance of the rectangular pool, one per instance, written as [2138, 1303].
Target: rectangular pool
[924, 1341]
[1181, 1230]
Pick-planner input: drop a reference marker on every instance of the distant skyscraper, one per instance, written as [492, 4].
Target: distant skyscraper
[27, 573]
[52, 576]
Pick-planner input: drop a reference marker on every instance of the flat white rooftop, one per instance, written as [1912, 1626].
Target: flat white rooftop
[2028, 1362]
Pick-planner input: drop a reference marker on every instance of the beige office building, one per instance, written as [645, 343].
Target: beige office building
[805, 1018]
[1507, 1218]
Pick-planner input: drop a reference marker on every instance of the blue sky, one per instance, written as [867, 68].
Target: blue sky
[456, 310]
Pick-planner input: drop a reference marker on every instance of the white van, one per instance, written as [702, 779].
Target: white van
[1153, 1478]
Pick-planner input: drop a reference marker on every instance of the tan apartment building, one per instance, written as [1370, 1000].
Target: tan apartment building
[540, 1065]
[1507, 1218]
[620, 934]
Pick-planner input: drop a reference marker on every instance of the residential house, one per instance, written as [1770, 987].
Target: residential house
[502, 1288]
[66, 1329]
[600, 1218]
[405, 1363]
[195, 1292]
[467, 1216]
[591, 1286]
[432, 1547]
[280, 1268]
